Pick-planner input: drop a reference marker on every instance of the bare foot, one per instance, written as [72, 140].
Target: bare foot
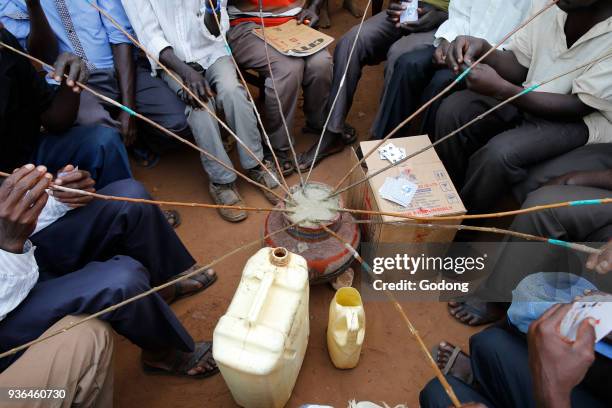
[475, 313]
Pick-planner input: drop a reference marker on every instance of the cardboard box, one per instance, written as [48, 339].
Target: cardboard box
[436, 195]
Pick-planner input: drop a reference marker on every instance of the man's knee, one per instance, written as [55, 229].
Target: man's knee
[104, 138]
[491, 345]
[125, 277]
[126, 188]
[288, 75]
[545, 195]
[459, 108]
[320, 64]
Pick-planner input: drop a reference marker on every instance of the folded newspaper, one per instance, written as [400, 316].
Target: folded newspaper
[295, 40]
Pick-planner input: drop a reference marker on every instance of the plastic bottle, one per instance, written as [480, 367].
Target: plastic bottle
[346, 328]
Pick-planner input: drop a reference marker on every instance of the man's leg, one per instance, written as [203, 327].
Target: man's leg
[158, 102]
[376, 37]
[501, 368]
[249, 52]
[441, 79]
[318, 71]
[148, 322]
[503, 161]
[92, 110]
[458, 109]
[403, 90]
[80, 362]
[97, 149]
[434, 396]
[405, 44]
[592, 157]
[207, 135]
[232, 98]
[102, 229]
[576, 224]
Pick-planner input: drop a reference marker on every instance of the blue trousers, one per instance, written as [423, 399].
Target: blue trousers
[97, 256]
[501, 371]
[97, 149]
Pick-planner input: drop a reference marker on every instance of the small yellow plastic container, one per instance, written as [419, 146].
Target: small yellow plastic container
[346, 328]
[260, 343]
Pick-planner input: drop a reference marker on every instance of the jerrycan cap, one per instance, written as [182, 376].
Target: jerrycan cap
[279, 257]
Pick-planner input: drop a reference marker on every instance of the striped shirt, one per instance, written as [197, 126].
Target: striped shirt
[275, 12]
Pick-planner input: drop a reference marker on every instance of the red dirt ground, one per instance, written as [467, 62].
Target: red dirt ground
[392, 368]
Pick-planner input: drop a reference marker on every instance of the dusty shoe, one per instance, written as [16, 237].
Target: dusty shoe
[263, 177]
[227, 194]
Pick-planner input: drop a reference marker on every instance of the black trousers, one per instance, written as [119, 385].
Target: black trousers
[501, 371]
[590, 224]
[97, 256]
[415, 80]
[486, 159]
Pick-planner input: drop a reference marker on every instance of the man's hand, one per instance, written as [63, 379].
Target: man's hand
[558, 365]
[128, 128]
[465, 50]
[308, 16]
[601, 263]
[439, 57]
[72, 66]
[77, 179]
[196, 82]
[22, 198]
[395, 11]
[486, 81]
[430, 18]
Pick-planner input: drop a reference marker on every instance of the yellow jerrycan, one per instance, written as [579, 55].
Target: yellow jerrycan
[260, 343]
[346, 328]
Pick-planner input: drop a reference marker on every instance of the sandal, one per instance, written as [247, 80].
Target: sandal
[173, 217]
[178, 290]
[285, 161]
[468, 378]
[181, 365]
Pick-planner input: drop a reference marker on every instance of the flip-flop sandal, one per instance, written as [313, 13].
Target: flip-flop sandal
[286, 162]
[144, 157]
[173, 217]
[181, 368]
[484, 317]
[203, 278]
[349, 136]
[451, 361]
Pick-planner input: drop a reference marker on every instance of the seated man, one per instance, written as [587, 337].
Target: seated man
[114, 71]
[59, 262]
[312, 73]
[506, 371]
[28, 102]
[421, 74]
[201, 60]
[487, 158]
[589, 224]
[382, 38]
[79, 362]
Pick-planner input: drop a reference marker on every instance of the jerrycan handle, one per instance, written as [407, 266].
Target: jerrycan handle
[279, 257]
[352, 326]
[260, 297]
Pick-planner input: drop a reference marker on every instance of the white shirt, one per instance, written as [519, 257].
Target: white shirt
[178, 24]
[19, 272]
[542, 48]
[487, 19]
